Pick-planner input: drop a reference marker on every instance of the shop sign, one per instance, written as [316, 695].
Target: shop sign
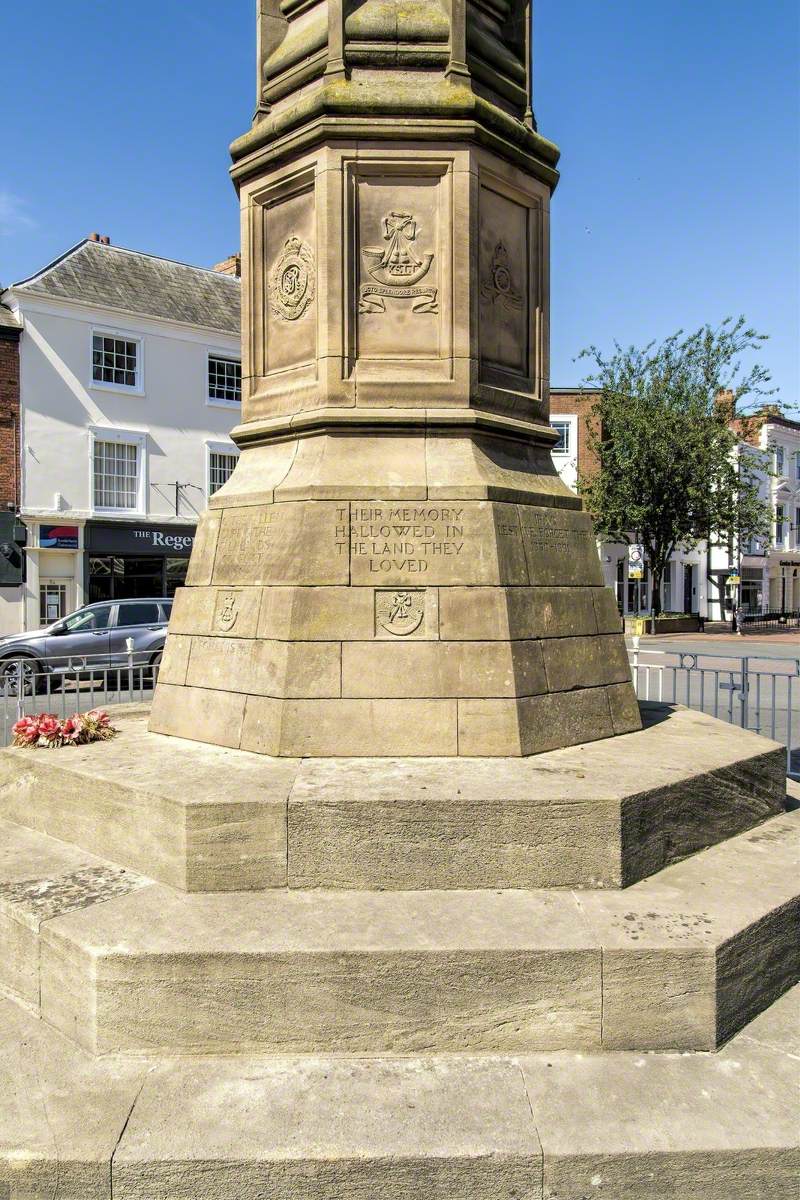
[140, 539]
[58, 537]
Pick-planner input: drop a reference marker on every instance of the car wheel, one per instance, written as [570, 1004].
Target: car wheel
[21, 677]
[155, 665]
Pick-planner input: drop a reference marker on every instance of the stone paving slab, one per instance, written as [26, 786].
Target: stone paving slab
[562, 1126]
[678, 961]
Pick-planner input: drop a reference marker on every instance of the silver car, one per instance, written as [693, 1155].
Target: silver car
[88, 643]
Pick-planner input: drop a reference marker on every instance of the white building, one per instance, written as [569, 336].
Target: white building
[769, 568]
[130, 380]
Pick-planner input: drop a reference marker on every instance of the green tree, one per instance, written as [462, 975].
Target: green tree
[664, 434]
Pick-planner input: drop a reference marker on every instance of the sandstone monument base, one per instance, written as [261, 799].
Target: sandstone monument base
[407, 904]
[248, 977]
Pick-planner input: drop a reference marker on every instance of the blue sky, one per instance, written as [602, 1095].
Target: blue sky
[679, 123]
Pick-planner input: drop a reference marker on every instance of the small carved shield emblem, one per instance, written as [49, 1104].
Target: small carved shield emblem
[227, 610]
[291, 283]
[400, 612]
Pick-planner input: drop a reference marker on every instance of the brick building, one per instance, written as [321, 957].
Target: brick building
[10, 330]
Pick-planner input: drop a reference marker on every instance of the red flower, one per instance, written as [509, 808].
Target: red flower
[49, 727]
[71, 729]
[98, 716]
[26, 731]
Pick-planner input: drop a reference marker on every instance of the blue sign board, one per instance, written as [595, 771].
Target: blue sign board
[58, 537]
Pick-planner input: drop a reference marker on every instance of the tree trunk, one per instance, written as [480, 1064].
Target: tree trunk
[655, 601]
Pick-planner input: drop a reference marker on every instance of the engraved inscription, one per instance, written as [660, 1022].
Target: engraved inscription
[544, 532]
[292, 284]
[498, 285]
[399, 611]
[397, 268]
[402, 538]
[227, 612]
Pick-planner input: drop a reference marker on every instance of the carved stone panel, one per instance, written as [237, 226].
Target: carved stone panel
[398, 266]
[504, 285]
[290, 282]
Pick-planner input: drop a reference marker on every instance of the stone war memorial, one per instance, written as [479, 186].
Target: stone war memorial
[394, 893]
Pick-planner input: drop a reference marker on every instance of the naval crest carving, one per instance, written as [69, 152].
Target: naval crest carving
[498, 285]
[399, 611]
[291, 283]
[397, 268]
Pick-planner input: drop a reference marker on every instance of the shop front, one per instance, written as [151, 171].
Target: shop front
[128, 561]
[784, 581]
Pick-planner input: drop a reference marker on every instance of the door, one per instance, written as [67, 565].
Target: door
[52, 601]
[142, 622]
[689, 589]
[83, 642]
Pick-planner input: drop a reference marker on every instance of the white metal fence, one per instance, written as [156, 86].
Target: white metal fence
[84, 682]
[756, 692]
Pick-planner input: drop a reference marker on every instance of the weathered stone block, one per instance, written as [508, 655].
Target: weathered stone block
[435, 669]
[324, 728]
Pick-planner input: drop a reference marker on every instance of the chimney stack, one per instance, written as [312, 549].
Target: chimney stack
[230, 266]
[100, 238]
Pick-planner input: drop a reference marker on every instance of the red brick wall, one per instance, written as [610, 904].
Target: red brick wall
[9, 419]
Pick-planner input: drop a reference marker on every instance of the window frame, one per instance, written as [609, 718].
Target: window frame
[229, 448]
[780, 525]
[227, 356]
[569, 420]
[126, 336]
[129, 601]
[106, 604]
[127, 437]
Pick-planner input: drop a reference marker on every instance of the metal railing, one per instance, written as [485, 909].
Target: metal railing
[81, 682]
[756, 692]
[768, 622]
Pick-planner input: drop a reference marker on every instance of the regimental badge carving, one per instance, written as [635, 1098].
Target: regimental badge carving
[227, 610]
[399, 611]
[498, 286]
[292, 282]
[397, 268]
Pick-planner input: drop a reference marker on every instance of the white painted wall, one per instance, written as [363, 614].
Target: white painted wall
[778, 556]
[62, 409]
[61, 406]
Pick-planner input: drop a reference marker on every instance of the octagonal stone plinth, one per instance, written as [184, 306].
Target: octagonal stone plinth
[208, 818]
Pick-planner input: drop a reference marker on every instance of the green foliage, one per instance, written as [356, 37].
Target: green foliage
[668, 471]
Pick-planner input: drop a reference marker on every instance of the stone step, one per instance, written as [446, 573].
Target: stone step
[569, 1126]
[204, 818]
[679, 961]
[41, 878]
